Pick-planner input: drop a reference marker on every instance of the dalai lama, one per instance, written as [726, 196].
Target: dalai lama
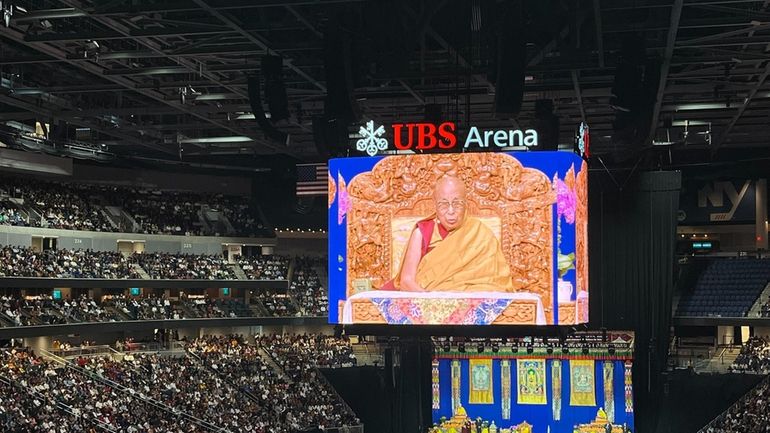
[451, 251]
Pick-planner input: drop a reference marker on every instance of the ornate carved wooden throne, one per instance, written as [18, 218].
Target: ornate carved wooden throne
[515, 202]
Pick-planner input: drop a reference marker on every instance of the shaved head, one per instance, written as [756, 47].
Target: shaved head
[449, 187]
[449, 197]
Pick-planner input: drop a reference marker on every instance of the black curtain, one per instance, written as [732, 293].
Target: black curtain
[632, 235]
[413, 385]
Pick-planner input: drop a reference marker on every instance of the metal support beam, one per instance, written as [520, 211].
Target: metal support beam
[742, 109]
[235, 26]
[98, 71]
[304, 21]
[599, 32]
[191, 67]
[117, 133]
[578, 94]
[676, 14]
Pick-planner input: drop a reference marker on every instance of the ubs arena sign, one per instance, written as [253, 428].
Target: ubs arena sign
[428, 136]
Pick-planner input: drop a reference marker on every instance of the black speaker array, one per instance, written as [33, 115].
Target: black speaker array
[275, 89]
[331, 136]
[633, 92]
[547, 125]
[255, 100]
[340, 101]
[511, 61]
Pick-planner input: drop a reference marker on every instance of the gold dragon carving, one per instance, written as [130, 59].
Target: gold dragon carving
[497, 184]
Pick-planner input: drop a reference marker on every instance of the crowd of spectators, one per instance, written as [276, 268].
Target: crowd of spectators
[71, 206]
[10, 215]
[167, 266]
[748, 415]
[264, 267]
[64, 263]
[88, 400]
[306, 287]
[754, 357]
[225, 383]
[60, 205]
[765, 309]
[297, 397]
[278, 304]
[166, 213]
[44, 310]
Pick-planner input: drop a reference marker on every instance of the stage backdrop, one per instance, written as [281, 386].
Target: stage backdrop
[532, 400]
[510, 247]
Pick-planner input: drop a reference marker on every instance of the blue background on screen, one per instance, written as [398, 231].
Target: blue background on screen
[550, 163]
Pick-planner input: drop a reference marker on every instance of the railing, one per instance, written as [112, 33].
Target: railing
[56, 403]
[134, 394]
[764, 382]
[82, 351]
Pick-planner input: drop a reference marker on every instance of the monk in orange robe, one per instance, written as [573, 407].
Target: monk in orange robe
[451, 251]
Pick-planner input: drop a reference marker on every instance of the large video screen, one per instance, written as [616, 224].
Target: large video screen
[459, 239]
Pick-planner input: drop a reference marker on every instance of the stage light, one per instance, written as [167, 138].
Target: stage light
[549, 349]
[530, 349]
[585, 349]
[515, 347]
[446, 346]
[565, 349]
[495, 348]
[480, 348]
[611, 349]
[461, 347]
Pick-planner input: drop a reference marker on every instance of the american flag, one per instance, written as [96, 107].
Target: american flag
[312, 179]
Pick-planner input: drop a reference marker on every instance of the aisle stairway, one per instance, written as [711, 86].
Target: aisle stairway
[238, 271]
[139, 270]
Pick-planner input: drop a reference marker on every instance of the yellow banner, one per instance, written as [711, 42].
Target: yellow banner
[530, 381]
[582, 388]
[480, 380]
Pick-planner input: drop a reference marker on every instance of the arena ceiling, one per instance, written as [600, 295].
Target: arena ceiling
[117, 67]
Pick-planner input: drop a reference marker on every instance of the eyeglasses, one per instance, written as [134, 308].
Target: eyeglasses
[444, 206]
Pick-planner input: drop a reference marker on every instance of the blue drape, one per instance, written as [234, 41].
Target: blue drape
[540, 416]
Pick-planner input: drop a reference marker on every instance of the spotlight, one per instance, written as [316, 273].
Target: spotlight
[7, 9]
[515, 347]
[495, 348]
[461, 347]
[585, 349]
[446, 346]
[549, 349]
[480, 347]
[565, 349]
[530, 349]
[611, 349]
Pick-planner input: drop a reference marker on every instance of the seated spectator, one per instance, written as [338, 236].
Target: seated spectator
[306, 287]
[754, 357]
[747, 415]
[167, 266]
[264, 267]
[25, 262]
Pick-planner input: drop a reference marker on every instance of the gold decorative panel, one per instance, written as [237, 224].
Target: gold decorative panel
[499, 188]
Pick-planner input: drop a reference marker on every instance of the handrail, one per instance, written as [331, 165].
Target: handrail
[56, 403]
[135, 394]
[764, 382]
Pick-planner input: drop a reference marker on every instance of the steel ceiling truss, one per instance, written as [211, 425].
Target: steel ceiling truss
[128, 61]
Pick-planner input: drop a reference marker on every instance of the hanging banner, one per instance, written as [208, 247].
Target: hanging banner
[629, 388]
[556, 389]
[530, 381]
[505, 388]
[582, 391]
[435, 385]
[455, 386]
[480, 381]
[609, 390]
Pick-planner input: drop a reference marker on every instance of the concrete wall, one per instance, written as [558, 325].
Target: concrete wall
[71, 239]
[235, 184]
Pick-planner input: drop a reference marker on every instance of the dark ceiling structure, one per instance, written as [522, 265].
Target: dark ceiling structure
[120, 68]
